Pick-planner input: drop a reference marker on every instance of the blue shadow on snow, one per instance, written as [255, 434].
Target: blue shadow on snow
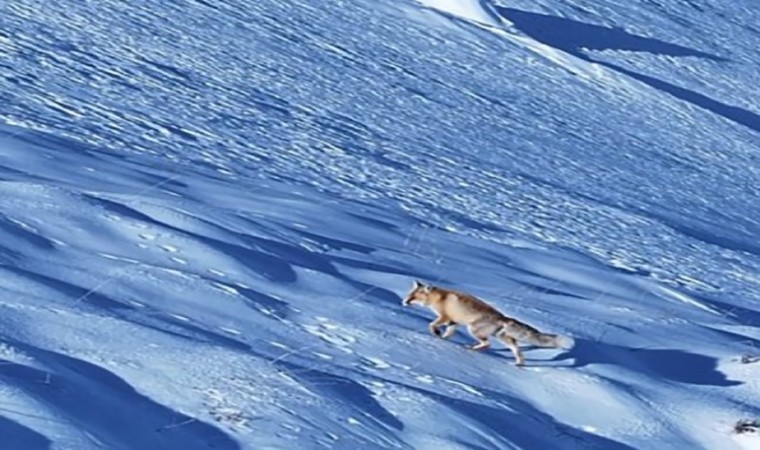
[574, 37]
[670, 364]
[344, 390]
[520, 424]
[106, 406]
[733, 113]
[577, 38]
[18, 437]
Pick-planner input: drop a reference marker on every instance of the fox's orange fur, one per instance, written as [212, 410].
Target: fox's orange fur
[482, 320]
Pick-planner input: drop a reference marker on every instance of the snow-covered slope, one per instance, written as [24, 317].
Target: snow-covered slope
[480, 11]
[210, 211]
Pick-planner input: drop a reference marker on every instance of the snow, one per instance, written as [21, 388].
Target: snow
[210, 211]
[476, 10]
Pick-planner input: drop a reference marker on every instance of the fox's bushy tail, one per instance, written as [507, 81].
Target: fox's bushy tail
[511, 328]
[551, 340]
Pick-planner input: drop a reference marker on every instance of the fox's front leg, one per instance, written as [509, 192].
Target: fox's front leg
[451, 328]
[477, 332]
[480, 345]
[437, 323]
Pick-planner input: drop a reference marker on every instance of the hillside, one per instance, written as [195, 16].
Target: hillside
[210, 212]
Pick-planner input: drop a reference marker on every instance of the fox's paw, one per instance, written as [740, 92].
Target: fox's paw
[476, 347]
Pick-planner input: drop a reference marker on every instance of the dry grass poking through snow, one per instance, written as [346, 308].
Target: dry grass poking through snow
[747, 426]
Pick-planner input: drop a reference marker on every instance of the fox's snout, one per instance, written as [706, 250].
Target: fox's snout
[418, 294]
[413, 300]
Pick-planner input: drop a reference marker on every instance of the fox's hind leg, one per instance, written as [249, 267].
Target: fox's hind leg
[512, 344]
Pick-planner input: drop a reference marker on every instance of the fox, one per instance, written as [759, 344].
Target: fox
[482, 320]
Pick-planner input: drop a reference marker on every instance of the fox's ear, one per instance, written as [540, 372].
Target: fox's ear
[417, 284]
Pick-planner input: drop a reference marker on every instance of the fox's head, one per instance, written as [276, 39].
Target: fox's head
[420, 293]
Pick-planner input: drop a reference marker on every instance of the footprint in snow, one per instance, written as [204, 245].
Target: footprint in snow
[178, 317]
[231, 331]
[427, 379]
[463, 386]
[327, 332]
[377, 363]
[225, 288]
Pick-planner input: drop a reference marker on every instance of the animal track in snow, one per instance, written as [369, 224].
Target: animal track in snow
[225, 288]
[179, 317]
[427, 379]
[463, 386]
[218, 273]
[378, 363]
[231, 331]
[331, 333]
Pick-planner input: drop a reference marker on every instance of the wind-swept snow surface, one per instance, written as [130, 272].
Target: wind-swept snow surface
[210, 212]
